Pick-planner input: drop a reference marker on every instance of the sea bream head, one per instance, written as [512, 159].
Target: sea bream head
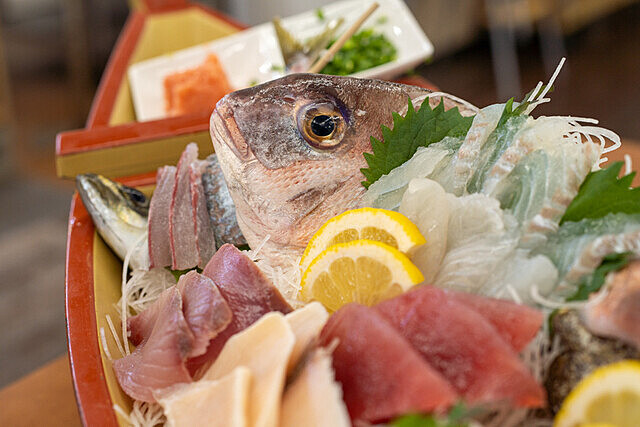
[291, 150]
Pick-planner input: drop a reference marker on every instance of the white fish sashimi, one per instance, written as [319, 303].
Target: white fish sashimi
[466, 161]
[539, 174]
[426, 204]
[481, 237]
[386, 192]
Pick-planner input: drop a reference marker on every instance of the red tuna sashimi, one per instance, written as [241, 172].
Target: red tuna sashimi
[159, 361]
[203, 307]
[205, 240]
[517, 324]
[248, 292]
[463, 346]
[159, 245]
[184, 252]
[382, 376]
[206, 311]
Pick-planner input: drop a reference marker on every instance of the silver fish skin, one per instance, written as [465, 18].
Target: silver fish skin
[119, 214]
[284, 183]
[220, 206]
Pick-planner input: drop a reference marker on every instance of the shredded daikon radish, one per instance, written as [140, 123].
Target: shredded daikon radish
[144, 414]
[123, 301]
[114, 335]
[627, 164]
[105, 347]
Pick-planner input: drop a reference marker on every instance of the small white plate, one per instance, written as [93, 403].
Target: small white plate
[253, 56]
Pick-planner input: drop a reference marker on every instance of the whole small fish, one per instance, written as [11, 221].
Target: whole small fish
[119, 214]
[291, 151]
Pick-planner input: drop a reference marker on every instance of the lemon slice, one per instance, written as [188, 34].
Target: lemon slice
[608, 396]
[361, 271]
[380, 225]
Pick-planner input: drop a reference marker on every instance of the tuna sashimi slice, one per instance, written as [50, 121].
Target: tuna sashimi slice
[203, 307]
[463, 346]
[158, 362]
[206, 311]
[517, 324]
[248, 292]
[205, 240]
[159, 242]
[382, 376]
[184, 251]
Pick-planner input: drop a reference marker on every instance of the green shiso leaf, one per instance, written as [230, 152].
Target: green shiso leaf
[603, 193]
[416, 129]
[594, 282]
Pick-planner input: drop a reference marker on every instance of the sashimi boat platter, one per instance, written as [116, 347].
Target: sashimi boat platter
[369, 253]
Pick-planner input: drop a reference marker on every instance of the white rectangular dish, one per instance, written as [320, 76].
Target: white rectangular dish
[253, 56]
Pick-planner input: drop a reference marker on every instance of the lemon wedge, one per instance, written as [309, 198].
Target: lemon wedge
[380, 225]
[362, 271]
[610, 395]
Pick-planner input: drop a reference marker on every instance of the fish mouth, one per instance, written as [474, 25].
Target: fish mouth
[224, 130]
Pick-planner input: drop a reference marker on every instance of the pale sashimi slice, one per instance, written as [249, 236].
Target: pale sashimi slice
[264, 348]
[386, 192]
[578, 248]
[480, 238]
[306, 324]
[248, 292]
[382, 376]
[159, 241]
[217, 403]
[314, 398]
[206, 311]
[184, 252]
[618, 313]
[158, 362]
[426, 204]
[517, 324]
[205, 240]
[463, 346]
[466, 161]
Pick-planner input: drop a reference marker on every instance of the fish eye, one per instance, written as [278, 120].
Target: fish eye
[321, 125]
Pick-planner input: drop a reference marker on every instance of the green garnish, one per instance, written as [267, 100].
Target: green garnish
[458, 417]
[382, 20]
[320, 14]
[594, 282]
[178, 273]
[416, 129]
[366, 49]
[603, 193]
[275, 67]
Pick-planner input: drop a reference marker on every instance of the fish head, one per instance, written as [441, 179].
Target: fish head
[291, 149]
[118, 212]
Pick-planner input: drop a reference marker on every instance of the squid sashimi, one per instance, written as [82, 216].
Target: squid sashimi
[159, 246]
[463, 346]
[248, 292]
[159, 361]
[382, 376]
[184, 251]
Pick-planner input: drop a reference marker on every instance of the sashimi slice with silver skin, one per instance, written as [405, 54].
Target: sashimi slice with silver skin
[119, 214]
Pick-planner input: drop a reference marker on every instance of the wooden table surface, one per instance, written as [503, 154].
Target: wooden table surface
[45, 397]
